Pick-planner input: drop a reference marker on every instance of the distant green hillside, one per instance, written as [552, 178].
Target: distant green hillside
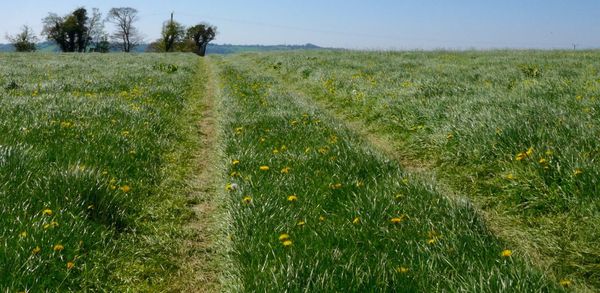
[212, 48]
[231, 49]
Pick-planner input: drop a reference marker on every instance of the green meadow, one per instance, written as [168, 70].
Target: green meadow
[333, 171]
[88, 179]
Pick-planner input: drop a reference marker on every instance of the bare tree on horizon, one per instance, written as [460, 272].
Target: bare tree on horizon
[126, 33]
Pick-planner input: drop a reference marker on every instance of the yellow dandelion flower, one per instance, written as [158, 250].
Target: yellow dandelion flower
[397, 220]
[52, 224]
[58, 247]
[66, 124]
[577, 172]
[239, 130]
[301, 223]
[321, 218]
[70, 265]
[292, 198]
[333, 139]
[565, 282]
[529, 151]
[235, 162]
[431, 241]
[231, 186]
[125, 188]
[247, 199]
[284, 237]
[510, 176]
[335, 186]
[506, 253]
[47, 212]
[402, 270]
[287, 243]
[285, 170]
[520, 156]
[36, 250]
[356, 220]
[264, 168]
[23, 234]
[275, 151]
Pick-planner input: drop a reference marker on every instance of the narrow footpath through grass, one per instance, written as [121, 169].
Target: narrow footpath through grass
[201, 269]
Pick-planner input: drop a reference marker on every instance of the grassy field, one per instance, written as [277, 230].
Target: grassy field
[314, 208]
[515, 131]
[335, 171]
[92, 165]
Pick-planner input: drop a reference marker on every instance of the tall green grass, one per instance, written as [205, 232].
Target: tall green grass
[314, 209]
[472, 117]
[84, 145]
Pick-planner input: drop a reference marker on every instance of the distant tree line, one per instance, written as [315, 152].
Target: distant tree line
[81, 31]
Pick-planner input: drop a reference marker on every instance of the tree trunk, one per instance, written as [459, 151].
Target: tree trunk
[202, 49]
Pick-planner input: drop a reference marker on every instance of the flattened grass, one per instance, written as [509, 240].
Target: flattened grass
[515, 130]
[313, 208]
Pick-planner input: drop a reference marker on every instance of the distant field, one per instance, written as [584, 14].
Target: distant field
[87, 145]
[515, 131]
[333, 171]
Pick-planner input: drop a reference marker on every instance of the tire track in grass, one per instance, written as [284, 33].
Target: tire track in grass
[499, 223]
[314, 208]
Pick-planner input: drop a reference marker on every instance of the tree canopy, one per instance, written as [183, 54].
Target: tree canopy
[24, 41]
[202, 34]
[70, 32]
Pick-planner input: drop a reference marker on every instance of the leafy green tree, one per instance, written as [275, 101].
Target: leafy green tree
[103, 45]
[70, 32]
[172, 33]
[24, 41]
[202, 34]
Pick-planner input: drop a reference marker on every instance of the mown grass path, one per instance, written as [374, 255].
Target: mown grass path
[201, 267]
[314, 208]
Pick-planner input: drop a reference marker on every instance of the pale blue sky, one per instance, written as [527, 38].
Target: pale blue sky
[377, 24]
